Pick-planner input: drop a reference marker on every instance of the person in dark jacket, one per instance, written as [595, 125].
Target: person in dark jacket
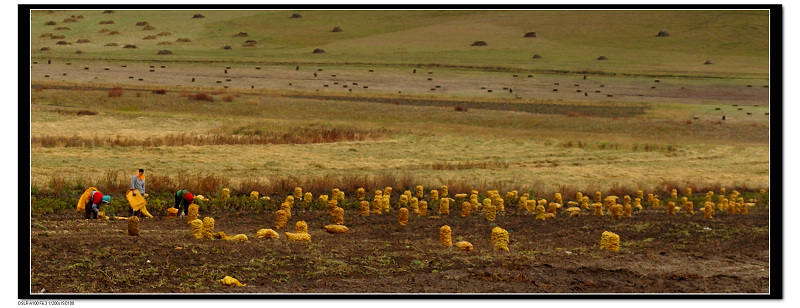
[183, 198]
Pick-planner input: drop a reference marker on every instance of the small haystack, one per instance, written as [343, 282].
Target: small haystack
[44, 49]
[142, 23]
[114, 32]
[83, 41]
[165, 33]
[63, 28]
[198, 16]
[164, 52]
[150, 37]
[50, 23]
[106, 22]
[226, 47]
[129, 46]
[58, 37]
[479, 43]
[108, 12]
[104, 30]
[241, 34]
[662, 33]
[530, 34]
[537, 56]
[77, 52]
[112, 44]
[295, 15]
[48, 34]
[63, 43]
[337, 29]
[602, 58]
[69, 20]
[319, 50]
[183, 40]
[708, 62]
[164, 43]
[148, 27]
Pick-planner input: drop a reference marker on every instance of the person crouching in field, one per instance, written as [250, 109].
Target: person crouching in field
[136, 194]
[183, 198]
[90, 202]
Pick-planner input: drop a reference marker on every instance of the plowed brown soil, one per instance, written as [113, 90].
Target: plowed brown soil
[659, 254]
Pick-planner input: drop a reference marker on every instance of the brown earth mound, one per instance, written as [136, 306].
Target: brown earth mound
[150, 37]
[164, 43]
[108, 12]
[142, 23]
[63, 28]
[537, 56]
[148, 27]
[602, 58]
[129, 46]
[58, 37]
[69, 20]
[318, 50]
[241, 34]
[165, 33]
[48, 34]
[50, 23]
[114, 32]
[165, 52]
[479, 43]
[337, 29]
[106, 22]
[112, 44]
[708, 62]
[63, 43]
[183, 40]
[295, 15]
[198, 16]
[530, 34]
[662, 33]
[83, 41]
[226, 47]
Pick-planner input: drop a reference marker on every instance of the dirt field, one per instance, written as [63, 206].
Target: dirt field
[658, 254]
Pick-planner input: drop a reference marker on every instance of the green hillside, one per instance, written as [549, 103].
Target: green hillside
[737, 42]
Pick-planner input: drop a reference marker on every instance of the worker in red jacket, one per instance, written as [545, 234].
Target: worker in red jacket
[96, 199]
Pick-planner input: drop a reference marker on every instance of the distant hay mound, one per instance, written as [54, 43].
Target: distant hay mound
[63, 28]
[183, 40]
[249, 44]
[77, 52]
[337, 29]
[662, 33]
[114, 32]
[537, 56]
[77, 16]
[479, 43]
[148, 27]
[319, 50]
[708, 62]
[106, 22]
[108, 12]
[164, 43]
[251, 41]
[241, 34]
[48, 34]
[83, 41]
[295, 15]
[129, 46]
[142, 23]
[63, 43]
[50, 23]
[58, 37]
[69, 20]
[198, 16]
[150, 37]
[530, 34]
[112, 44]
[165, 33]
[226, 47]
[602, 58]
[165, 52]
[44, 49]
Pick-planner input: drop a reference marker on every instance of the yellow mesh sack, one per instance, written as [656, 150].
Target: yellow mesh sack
[360, 193]
[598, 209]
[500, 238]
[491, 212]
[85, 198]
[301, 227]
[363, 208]
[670, 208]
[444, 207]
[445, 236]
[172, 212]
[423, 209]
[413, 203]
[192, 212]
[267, 233]
[280, 219]
[208, 228]
[574, 211]
[298, 193]
[689, 207]
[197, 228]
[466, 208]
[298, 237]
[254, 195]
[230, 281]
[402, 217]
[628, 210]
[616, 211]
[226, 193]
[137, 202]
[464, 245]
[336, 229]
[133, 226]
[239, 238]
[377, 205]
[338, 216]
[308, 197]
[419, 191]
[539, 211]
[609, 241]
[434, 195]
[386, 201]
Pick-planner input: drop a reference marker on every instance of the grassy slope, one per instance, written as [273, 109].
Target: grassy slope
[736, 41]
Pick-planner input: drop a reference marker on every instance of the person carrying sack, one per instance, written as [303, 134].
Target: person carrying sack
[91, 201]
[136, 194]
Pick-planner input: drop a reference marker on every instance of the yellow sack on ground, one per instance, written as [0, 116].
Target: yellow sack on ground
[238, 238]
[336, 229]
[230, 281]
[267, 233]
[172, 212]
[137, 203]
[85, 198]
